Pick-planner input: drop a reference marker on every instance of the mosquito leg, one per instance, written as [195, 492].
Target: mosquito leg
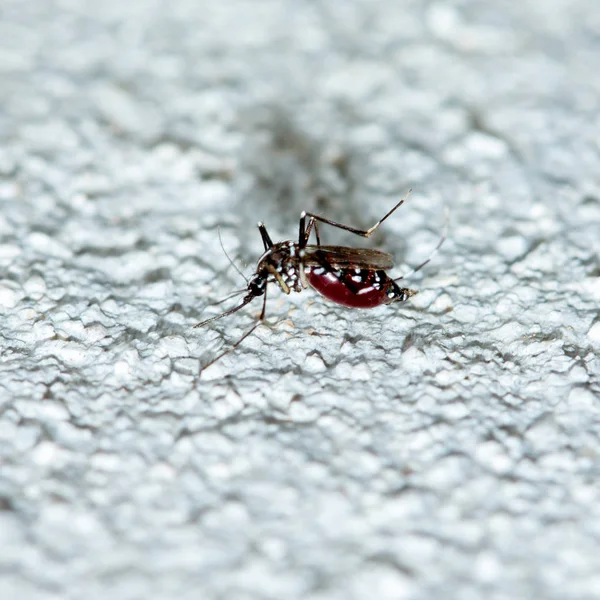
[316, 232]
[266, 238]
[362, 232]
[261, 317]
[432, 253]
[305, 230]
[259, 321]
[302, 235]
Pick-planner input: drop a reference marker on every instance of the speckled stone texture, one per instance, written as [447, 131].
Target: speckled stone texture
[444, 448]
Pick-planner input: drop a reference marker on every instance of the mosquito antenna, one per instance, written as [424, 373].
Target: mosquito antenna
[245, 301]
[228, 297]
[228, 257]
[434, 251]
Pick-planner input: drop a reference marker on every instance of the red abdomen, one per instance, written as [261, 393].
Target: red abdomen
[354, 288]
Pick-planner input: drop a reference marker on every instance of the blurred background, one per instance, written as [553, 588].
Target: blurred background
[445, 447]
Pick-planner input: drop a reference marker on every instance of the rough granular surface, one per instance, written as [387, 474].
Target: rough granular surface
[445, 447]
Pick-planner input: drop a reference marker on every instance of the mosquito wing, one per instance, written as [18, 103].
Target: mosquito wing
[344, 257]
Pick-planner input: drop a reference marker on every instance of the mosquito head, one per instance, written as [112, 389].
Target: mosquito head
[257, 285]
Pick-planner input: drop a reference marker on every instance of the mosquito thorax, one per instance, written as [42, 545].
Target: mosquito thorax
[282, 263]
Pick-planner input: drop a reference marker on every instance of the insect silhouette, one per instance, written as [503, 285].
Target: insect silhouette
[351, 277]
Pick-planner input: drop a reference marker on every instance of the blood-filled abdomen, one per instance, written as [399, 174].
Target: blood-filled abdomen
[355, 288]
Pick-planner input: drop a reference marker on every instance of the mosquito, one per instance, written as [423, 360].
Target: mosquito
[351, 277]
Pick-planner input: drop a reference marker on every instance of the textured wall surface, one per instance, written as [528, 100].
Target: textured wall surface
[448, 447]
